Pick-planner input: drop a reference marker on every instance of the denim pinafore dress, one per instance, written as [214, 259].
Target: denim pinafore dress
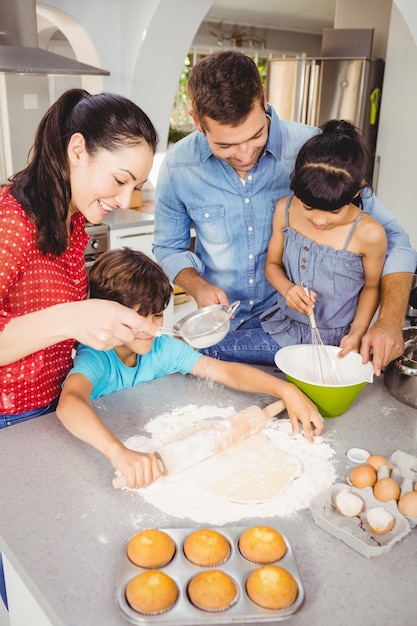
[336, 276]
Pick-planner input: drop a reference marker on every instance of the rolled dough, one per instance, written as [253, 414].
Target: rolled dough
[252, 471]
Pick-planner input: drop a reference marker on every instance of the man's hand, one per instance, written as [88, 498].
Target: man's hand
[385, 338]
[386, 342]
[204, 293]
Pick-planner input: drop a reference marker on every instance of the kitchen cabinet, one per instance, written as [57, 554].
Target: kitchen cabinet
[136, 237]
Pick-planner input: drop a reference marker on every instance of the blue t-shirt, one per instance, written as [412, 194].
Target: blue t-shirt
[109, 374]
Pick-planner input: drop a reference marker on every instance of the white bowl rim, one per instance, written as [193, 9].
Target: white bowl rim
[367, 369]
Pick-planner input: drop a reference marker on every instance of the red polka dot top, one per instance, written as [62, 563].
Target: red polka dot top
[30, 281]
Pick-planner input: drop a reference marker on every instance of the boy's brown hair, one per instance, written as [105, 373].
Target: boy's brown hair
[132, 279]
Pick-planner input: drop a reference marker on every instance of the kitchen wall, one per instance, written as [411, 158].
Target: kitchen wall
[397, 138]
[143, 44]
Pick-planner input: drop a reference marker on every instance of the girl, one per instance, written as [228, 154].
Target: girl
[322, 237]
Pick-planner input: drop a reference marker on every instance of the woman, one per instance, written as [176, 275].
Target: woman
[91, 152]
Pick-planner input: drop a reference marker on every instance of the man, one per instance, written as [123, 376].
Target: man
[224, 180]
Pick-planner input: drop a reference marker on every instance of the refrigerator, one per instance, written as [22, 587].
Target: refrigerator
[314, 90]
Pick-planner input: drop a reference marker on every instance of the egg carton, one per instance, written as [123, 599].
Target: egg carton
[181, 571]
[355, 531]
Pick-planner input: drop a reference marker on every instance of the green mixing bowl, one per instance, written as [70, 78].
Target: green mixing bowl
[300, 367]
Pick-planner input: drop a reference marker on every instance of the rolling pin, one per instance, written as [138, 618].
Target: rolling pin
[182, 453]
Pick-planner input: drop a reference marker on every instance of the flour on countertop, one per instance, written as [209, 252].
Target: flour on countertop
[185, 498]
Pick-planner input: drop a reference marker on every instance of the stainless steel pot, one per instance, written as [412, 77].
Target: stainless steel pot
[400, 376]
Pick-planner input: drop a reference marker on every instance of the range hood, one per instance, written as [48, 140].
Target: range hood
[19, 51]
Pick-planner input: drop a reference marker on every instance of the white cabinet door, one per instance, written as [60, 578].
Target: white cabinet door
[137, 238]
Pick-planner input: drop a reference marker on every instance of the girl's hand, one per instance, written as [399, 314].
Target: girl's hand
[349, 343]
[139, 468]
[302, 409]
[297, 299]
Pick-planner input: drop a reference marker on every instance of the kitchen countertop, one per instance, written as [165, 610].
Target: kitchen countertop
[125, 218]
[62, 524]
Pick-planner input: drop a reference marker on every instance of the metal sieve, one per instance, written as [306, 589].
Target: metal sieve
[204, 327]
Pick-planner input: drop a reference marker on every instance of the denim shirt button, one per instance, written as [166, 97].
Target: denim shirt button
[250, 256]
[206, 214]
[247, 200]
[251, 302]
[251, 281]
[250, 228]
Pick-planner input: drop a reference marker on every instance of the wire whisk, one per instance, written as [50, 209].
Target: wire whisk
[321, 361]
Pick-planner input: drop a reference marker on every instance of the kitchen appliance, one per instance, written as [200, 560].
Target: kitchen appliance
[314, 90]
[412, 304]
[19, 51]
[400, 377]
[99, 242]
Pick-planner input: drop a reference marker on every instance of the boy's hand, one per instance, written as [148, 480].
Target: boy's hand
[302, 409]
[140, 469]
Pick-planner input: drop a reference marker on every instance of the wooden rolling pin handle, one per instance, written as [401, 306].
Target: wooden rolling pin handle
[119, 481]
[273, 409]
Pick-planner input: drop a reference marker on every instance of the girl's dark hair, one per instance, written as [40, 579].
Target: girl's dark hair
[332, 167]
[130, 278]
[225, 86]
[106, 121]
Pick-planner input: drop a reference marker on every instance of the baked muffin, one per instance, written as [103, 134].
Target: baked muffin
[151, 592]
[271, 587]
[151, 548]
[262, 544]
[206, 547]
[212, 590]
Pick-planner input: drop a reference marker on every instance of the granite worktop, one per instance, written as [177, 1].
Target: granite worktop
[126, 218]
[62, 524]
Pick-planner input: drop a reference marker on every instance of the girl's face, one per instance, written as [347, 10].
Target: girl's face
[106, 181]
[325, 220]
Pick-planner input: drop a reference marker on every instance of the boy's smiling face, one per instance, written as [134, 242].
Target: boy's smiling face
[141, 344]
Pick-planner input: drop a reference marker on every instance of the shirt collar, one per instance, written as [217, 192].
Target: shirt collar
[274, 142]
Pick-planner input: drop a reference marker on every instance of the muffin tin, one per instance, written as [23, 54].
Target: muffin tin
[181, 571]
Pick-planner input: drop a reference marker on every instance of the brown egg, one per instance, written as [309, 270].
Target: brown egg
[363, 476]
[377, 461]
[386, 489]
[407, 504]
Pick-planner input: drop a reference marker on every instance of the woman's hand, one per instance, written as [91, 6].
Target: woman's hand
[104, 324]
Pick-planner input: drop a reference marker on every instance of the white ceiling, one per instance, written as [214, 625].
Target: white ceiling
[309, 16]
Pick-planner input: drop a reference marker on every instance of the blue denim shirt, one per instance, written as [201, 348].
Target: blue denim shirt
[233, 222]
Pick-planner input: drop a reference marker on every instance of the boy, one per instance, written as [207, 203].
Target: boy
[136, 281]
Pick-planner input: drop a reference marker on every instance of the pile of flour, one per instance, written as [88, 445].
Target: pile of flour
[183, 497]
